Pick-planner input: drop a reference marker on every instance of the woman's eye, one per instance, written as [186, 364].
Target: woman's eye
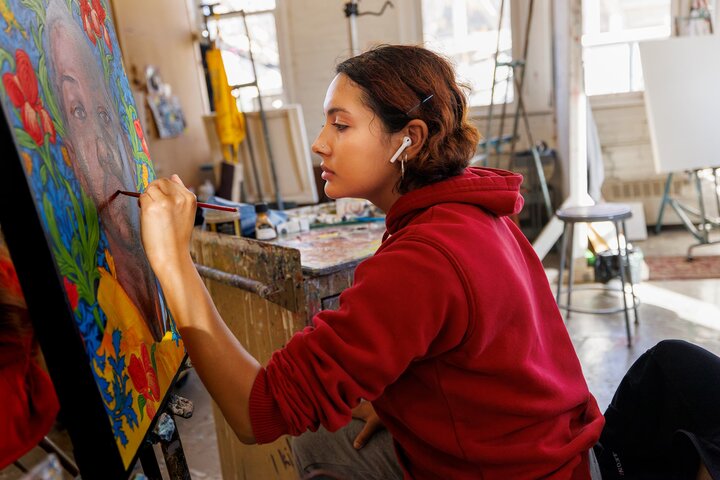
[78, 111]
[339, 126]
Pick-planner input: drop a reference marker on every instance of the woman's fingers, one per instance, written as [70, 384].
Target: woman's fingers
[365, 411]
[371, 426]
[171, 189]
[167, 218]
[175, 178]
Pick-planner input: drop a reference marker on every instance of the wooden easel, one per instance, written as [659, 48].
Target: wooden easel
[699, 14]
[701, 227]
[517, 67]
[165, 433]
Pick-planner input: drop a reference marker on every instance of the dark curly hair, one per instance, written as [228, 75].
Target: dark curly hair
[396, 81]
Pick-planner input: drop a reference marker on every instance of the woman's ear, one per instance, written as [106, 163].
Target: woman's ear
[417, 130]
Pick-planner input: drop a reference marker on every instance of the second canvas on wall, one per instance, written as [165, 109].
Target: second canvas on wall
[74, 138]
[290, 153]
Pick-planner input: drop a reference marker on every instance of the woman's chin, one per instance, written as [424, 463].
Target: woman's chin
[332, 192]
[335, 191]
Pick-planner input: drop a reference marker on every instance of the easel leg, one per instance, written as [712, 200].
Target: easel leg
[533, 148]
[703, 234]
[701, 229]
[165, 432]
[67, 463]
[149, 462]
[174, 455]
[665, 200]
[701, 206]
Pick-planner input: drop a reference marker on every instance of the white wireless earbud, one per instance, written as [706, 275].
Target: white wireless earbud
[406, 143]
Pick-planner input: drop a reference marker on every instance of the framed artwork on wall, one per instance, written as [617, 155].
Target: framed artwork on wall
[71, 138]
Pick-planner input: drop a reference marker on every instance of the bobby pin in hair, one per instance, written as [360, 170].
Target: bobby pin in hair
[420, 103]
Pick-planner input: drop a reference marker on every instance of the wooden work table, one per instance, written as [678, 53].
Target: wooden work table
[328, 257]
[267, 291]
[329, 249]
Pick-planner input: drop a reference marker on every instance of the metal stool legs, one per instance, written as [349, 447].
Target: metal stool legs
[562, 263]
[632, 285]
[622, 253]
[624, 260]
[571, 268]
[568, 237]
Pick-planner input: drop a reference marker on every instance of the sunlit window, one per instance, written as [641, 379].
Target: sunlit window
[233, 40]
[611, 32]
[466, 31]
[225, 6]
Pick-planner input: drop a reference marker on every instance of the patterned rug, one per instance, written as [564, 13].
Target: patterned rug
[678, 268]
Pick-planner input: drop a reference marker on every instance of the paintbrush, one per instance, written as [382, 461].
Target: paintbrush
[199, 204]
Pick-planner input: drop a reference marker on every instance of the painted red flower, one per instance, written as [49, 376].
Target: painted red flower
[150, 410]
[144, 378]
[141, 136]
[22, 89]
[72, 292]
[93, 17]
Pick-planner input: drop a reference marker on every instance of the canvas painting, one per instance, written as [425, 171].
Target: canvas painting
[168, 115]
[68, 106]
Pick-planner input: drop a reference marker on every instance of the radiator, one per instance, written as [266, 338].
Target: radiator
[649, 192]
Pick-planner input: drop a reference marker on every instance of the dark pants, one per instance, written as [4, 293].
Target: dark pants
[664, 417]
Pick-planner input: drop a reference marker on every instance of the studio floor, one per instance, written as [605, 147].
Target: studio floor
[687, 309]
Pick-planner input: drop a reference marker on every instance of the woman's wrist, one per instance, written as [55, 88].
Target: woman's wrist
[173, 266]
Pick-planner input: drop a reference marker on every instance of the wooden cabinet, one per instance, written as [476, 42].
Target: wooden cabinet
[297, 276]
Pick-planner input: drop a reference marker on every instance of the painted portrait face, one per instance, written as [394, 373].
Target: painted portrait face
[100, 157]
[97, 144]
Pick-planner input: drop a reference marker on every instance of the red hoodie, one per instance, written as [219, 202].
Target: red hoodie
[452, 332]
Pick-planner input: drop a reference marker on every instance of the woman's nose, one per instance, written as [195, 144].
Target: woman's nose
[319, 147]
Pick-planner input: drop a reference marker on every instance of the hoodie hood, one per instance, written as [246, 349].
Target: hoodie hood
[495, 190]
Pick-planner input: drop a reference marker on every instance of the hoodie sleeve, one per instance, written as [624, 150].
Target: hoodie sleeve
[407, 303]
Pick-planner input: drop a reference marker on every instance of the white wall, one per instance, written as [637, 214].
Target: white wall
[160, 33]
[316, 38]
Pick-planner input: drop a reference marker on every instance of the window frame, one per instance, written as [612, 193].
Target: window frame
[629, 38]
[677, 7]
[280, 16]
[481, 110]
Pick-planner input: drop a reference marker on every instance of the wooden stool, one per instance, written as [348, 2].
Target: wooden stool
[604, 212]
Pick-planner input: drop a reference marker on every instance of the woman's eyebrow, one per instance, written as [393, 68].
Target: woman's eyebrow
[334, 110]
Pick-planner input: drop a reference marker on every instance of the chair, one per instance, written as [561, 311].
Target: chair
[604, 212]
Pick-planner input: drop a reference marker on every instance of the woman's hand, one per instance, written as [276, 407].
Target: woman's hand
[167, 217]
[226, 369]
[366, 412]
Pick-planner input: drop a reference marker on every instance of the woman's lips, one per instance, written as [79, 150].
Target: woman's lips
[326, 172]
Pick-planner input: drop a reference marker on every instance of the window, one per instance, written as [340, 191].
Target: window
[260, 17]
[611, 32]
[466, 31]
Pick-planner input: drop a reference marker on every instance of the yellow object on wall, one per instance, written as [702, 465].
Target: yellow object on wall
[229, 122]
